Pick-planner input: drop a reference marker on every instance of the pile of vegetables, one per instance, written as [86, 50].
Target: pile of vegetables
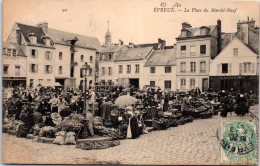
[106, 131]
[73, 121]
[98, 145]
[161, 123]
[98, 121]
[12, 124]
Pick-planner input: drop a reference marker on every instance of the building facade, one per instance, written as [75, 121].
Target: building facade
[237, 64]
[55, 57]
[160, 69]
[195, 48]
[14, 65]
[129, 66]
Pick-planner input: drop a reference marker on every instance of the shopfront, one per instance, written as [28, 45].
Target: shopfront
[242, 83]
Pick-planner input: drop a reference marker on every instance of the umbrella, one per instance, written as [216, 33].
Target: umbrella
[125, 100]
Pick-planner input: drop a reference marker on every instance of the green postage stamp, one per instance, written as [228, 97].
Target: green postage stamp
[239, 142]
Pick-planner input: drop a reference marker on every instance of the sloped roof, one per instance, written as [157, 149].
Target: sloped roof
[61, 37]
[154, 45]
[19, 49]
[195, 32]
[166, 57]
[108, 49]
[27, 29]
[253, 40]
[131, 54]
[226, 39]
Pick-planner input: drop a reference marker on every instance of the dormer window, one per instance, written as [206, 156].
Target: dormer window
[9, 52]
[14, 52]
[183, 32]
[32, 37]
[204, 30]
[46, 40]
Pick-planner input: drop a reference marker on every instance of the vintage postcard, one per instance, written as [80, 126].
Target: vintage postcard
[140, 82]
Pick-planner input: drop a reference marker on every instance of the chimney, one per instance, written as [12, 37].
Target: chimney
[44, 26]
[186, 25]
[244, 33]
[120, 42]
[161, 44]
[19, 37]
[131, 45]
[218, 36]
[251, 24]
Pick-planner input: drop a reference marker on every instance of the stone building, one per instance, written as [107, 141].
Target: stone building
[160, 68]
[236, 66]
[195, 48]
[55, 57]
[14, 65]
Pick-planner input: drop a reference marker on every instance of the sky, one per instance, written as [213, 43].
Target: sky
[133, 20]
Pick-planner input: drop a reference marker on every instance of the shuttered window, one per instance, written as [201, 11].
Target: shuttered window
[240, 68]
[218, 68]
[253, 67]
[229, 67]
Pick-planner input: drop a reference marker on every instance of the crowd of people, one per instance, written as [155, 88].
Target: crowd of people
[36, 106]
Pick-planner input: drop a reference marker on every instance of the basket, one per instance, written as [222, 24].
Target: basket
[148, 122]
[159, 126]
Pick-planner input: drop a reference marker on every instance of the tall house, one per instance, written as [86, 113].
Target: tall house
[54, 57]
[129, 65]
[14, 65]
[160, 67]
[195, 48]
[236, 66]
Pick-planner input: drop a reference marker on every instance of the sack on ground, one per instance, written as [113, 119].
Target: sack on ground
[60, 138]
[70, 138]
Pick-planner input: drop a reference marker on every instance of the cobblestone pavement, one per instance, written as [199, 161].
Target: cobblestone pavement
[192, 143]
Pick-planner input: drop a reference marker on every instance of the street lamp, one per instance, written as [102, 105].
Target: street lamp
[84, 70]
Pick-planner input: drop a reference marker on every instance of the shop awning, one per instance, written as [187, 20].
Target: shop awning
[57, 84]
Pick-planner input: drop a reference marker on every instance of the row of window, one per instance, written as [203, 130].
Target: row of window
[103, 71]
[168, 69]
[106, 57]
[48, 56]
[193, 67]
[167, 84]
[192, 83]
[246, 67]
[10, 52]
[33, 68]
[17, 69]
[193, 50]
[129, 69]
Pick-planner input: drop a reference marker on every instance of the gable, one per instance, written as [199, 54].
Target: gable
[243, 50]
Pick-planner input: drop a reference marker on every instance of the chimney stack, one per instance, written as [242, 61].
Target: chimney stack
[219, 36]
[18, 37]
[44, 26]
[186, 25]
[120, 42]
[131, 45]
[251, 24]
[161, 44]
